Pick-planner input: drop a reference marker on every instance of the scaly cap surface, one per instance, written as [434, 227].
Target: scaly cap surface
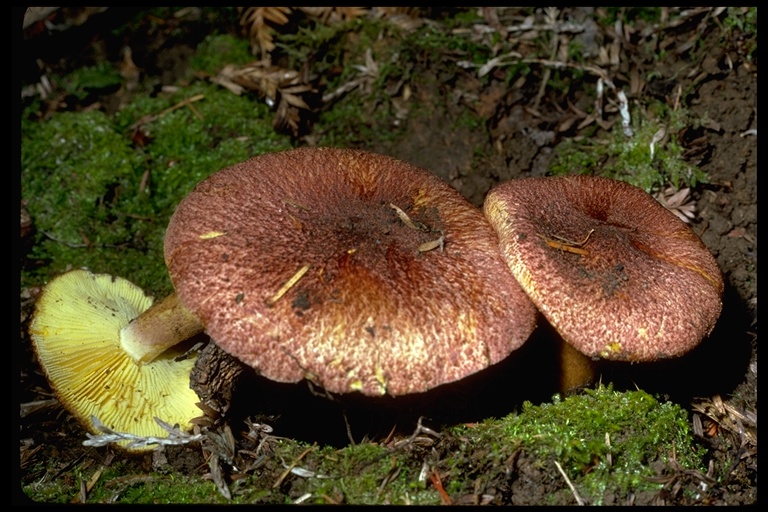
[618, 275]
[354, 270]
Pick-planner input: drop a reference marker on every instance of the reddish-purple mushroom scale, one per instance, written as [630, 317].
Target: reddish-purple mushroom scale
[353, 270]
[618, 275]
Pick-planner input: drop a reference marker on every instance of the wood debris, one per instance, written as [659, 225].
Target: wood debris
[740, 423]
[678, 202]
[285, 90]
[260, 24]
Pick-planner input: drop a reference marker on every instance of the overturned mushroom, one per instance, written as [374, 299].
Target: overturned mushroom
[355, 271]
[619, 276]
[76, 333]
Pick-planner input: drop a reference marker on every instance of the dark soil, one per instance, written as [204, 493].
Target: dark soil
[521, 132]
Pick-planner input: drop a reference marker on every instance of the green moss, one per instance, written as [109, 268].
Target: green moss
[59, 491]
[582, 432]
[359, 472]
[740, 24]
[81, 182]
[434, 43]
[150, 488]
[463, 18]
[629, 158]
[325, 45]
[219, 50]
[607, 442]
[337, 53]
[349, 123]
[630, 15]
[91, 79]
[101, 202]
[190, 143]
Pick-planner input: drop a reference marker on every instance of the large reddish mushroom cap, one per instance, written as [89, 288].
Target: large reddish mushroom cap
[617, 274]
[353, 270]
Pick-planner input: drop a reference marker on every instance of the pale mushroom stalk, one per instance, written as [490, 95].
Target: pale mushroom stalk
[165, 324]
[576, 369]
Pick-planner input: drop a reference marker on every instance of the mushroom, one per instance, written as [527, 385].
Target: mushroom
[619, 276]
[355, 271]
[77, 330]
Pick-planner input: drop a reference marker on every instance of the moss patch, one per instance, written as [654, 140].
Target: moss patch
[101, 189]
[605, 441]
[608, 443]
[651, 159]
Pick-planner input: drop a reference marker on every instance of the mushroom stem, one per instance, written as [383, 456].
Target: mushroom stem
[165, 324]
[576, 369]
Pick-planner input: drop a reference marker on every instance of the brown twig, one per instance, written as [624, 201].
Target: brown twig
[434, 477]
[579, 500]
[291, 466]
[184, 103]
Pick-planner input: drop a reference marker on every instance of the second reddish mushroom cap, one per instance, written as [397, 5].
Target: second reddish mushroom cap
[617, 274]
[354, 270]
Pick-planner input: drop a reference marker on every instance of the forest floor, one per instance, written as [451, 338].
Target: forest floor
[474, 123]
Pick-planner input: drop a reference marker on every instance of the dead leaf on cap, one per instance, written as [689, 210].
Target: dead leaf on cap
[565, 245]
[432, 244]
[407, 220]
